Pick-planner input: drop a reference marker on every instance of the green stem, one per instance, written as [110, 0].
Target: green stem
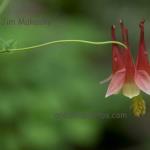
[65, 41]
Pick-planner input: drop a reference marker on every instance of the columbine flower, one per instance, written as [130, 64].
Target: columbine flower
[126, 76]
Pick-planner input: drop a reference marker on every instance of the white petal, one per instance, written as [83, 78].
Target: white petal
[130, 90]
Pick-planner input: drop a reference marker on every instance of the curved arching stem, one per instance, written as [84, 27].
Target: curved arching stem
[64, 41]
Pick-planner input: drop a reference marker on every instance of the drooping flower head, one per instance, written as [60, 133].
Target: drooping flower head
[126, 76]
[123, 69]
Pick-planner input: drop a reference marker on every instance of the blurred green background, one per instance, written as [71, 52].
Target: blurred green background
[37, 86]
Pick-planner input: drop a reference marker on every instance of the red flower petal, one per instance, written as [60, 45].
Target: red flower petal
[142, 62]
[130, 67]
[142, 80]
[116, 83]
[117, 59]
[124, 32]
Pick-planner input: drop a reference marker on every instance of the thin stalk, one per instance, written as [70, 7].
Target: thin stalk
[64, 41]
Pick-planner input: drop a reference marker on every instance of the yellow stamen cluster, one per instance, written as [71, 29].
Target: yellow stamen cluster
[138, 106]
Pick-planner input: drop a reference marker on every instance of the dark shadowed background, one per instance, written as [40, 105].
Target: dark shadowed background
[50, 97]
